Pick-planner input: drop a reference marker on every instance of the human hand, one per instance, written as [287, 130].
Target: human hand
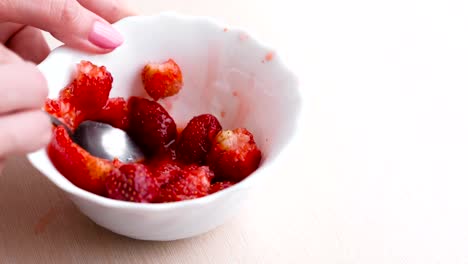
[23, 89]
[82, 24]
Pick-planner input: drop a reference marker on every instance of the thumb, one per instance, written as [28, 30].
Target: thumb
[66, 20]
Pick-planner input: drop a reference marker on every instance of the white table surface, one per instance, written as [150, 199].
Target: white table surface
[381, 172]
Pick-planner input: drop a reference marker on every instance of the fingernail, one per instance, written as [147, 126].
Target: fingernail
[105, 36]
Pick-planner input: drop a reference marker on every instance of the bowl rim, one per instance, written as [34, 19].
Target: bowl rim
[247, 183]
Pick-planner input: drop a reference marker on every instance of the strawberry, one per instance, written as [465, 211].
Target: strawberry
[152, 128]
[162, 80]
[234, 155]
[195, 140]
[164, 169]
[64, 111]
[132, 182]
[218, 186]
[114, 113]
[185, 183]
[83, 97]
[77, 165]
[90, 89]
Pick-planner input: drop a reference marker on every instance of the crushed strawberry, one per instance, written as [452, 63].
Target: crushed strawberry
[133, 183]
[180, 165]
[114, 113]
[64, 111]
[152, 128]
[218, 186]
[234, 155]
[186, 183]
[77, 165]
[84, 97]
[90, 89]
[164, 170]
[162, 79]
[195, 140]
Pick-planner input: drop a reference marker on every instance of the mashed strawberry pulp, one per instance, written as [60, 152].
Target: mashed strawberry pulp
[200, 160]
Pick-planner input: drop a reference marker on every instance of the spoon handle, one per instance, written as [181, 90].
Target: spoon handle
[55, 121]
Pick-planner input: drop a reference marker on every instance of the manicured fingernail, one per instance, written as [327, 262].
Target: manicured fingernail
[105, 36]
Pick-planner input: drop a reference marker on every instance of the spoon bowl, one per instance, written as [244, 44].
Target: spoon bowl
[107, 142]
[103, 140]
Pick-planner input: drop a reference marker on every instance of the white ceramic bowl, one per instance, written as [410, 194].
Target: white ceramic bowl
[226, 73]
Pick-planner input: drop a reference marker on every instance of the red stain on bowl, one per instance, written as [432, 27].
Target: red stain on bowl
[223, 114]
[180, 129]
[169, 102]
[235, 93]
[168, 105]
[243, 36]
[269, 56]
[225, 29]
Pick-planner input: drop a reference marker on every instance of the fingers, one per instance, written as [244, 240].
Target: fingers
[24, 132]
[8, 29]
[110, 10]
[8, 57]
[66, 20]
[22, 87]
[29, 43]
[26, 41]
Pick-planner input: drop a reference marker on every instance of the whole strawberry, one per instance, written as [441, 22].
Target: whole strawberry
[133, 183]
[185, 183]
[195, 140]
[234, 155]
[152, 128]
[162, 79]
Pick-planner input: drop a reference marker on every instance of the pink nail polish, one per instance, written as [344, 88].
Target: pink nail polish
[105, 36]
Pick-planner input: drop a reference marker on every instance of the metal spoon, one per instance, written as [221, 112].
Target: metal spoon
[103, 140]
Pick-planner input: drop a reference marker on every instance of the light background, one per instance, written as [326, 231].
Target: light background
[381, 172]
